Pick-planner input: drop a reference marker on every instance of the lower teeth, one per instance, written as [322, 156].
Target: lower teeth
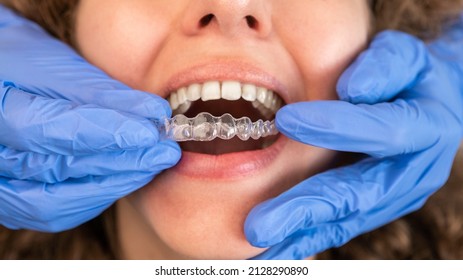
[206, 127]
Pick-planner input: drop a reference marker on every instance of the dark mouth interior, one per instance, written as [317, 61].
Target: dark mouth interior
[237, 109]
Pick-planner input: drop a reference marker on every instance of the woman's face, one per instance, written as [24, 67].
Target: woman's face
[297, 49]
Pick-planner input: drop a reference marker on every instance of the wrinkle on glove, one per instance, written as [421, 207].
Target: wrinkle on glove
[52, 168]
[68, 129]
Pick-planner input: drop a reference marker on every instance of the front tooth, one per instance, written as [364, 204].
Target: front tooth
[173, 100]
[276, 104]
[181, 95]
[231, 90]
[210, 91]
[261, 94]
[182, 108]
[249, 92]
[268, 99]
[194, 92]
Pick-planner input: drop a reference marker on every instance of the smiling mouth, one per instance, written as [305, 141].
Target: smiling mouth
[241, 114]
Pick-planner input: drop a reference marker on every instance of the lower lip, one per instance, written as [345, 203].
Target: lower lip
[228, 166]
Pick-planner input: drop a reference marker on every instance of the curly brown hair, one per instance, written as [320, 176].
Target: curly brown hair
[434, 232]
[55, 16]
[422, 18]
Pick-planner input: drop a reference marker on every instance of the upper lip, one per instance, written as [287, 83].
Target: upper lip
[225, 70]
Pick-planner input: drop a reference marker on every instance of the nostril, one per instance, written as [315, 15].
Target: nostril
[205, 20]
[251, 21]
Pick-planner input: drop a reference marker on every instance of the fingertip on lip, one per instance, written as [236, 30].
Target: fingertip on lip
[166, 110]
[174, 148]
[157, 108]
[284, 118]
[165, 154]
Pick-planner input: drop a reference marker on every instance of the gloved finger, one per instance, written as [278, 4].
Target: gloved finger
[57, 168]
[50, 68]
[61, 206]
[306, 243]
[379, 130]
[393, 62]
[343, 193]
[310, 241]
[43, 125]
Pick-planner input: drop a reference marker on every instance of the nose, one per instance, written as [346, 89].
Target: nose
[229, 17]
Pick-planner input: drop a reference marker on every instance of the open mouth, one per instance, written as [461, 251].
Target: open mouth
[232, 104]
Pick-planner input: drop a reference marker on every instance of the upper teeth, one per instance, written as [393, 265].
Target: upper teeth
[263, 99]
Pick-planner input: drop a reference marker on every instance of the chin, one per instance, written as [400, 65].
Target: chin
[200, 217]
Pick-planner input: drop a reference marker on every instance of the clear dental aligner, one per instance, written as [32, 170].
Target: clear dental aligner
[206, 127]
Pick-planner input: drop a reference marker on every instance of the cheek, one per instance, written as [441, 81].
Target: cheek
[134, 35]
[323, 64]
[324, 44]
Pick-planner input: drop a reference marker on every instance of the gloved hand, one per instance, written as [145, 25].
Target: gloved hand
[411, 142]
[72, 140]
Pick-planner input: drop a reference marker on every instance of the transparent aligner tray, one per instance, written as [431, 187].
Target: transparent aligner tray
[206, 127]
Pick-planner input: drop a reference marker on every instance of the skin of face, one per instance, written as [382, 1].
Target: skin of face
[152, 44]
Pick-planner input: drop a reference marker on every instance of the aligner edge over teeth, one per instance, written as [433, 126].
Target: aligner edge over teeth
[206, 127]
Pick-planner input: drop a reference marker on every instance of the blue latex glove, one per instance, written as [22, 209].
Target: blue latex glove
[411, 142]
[72, 140]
